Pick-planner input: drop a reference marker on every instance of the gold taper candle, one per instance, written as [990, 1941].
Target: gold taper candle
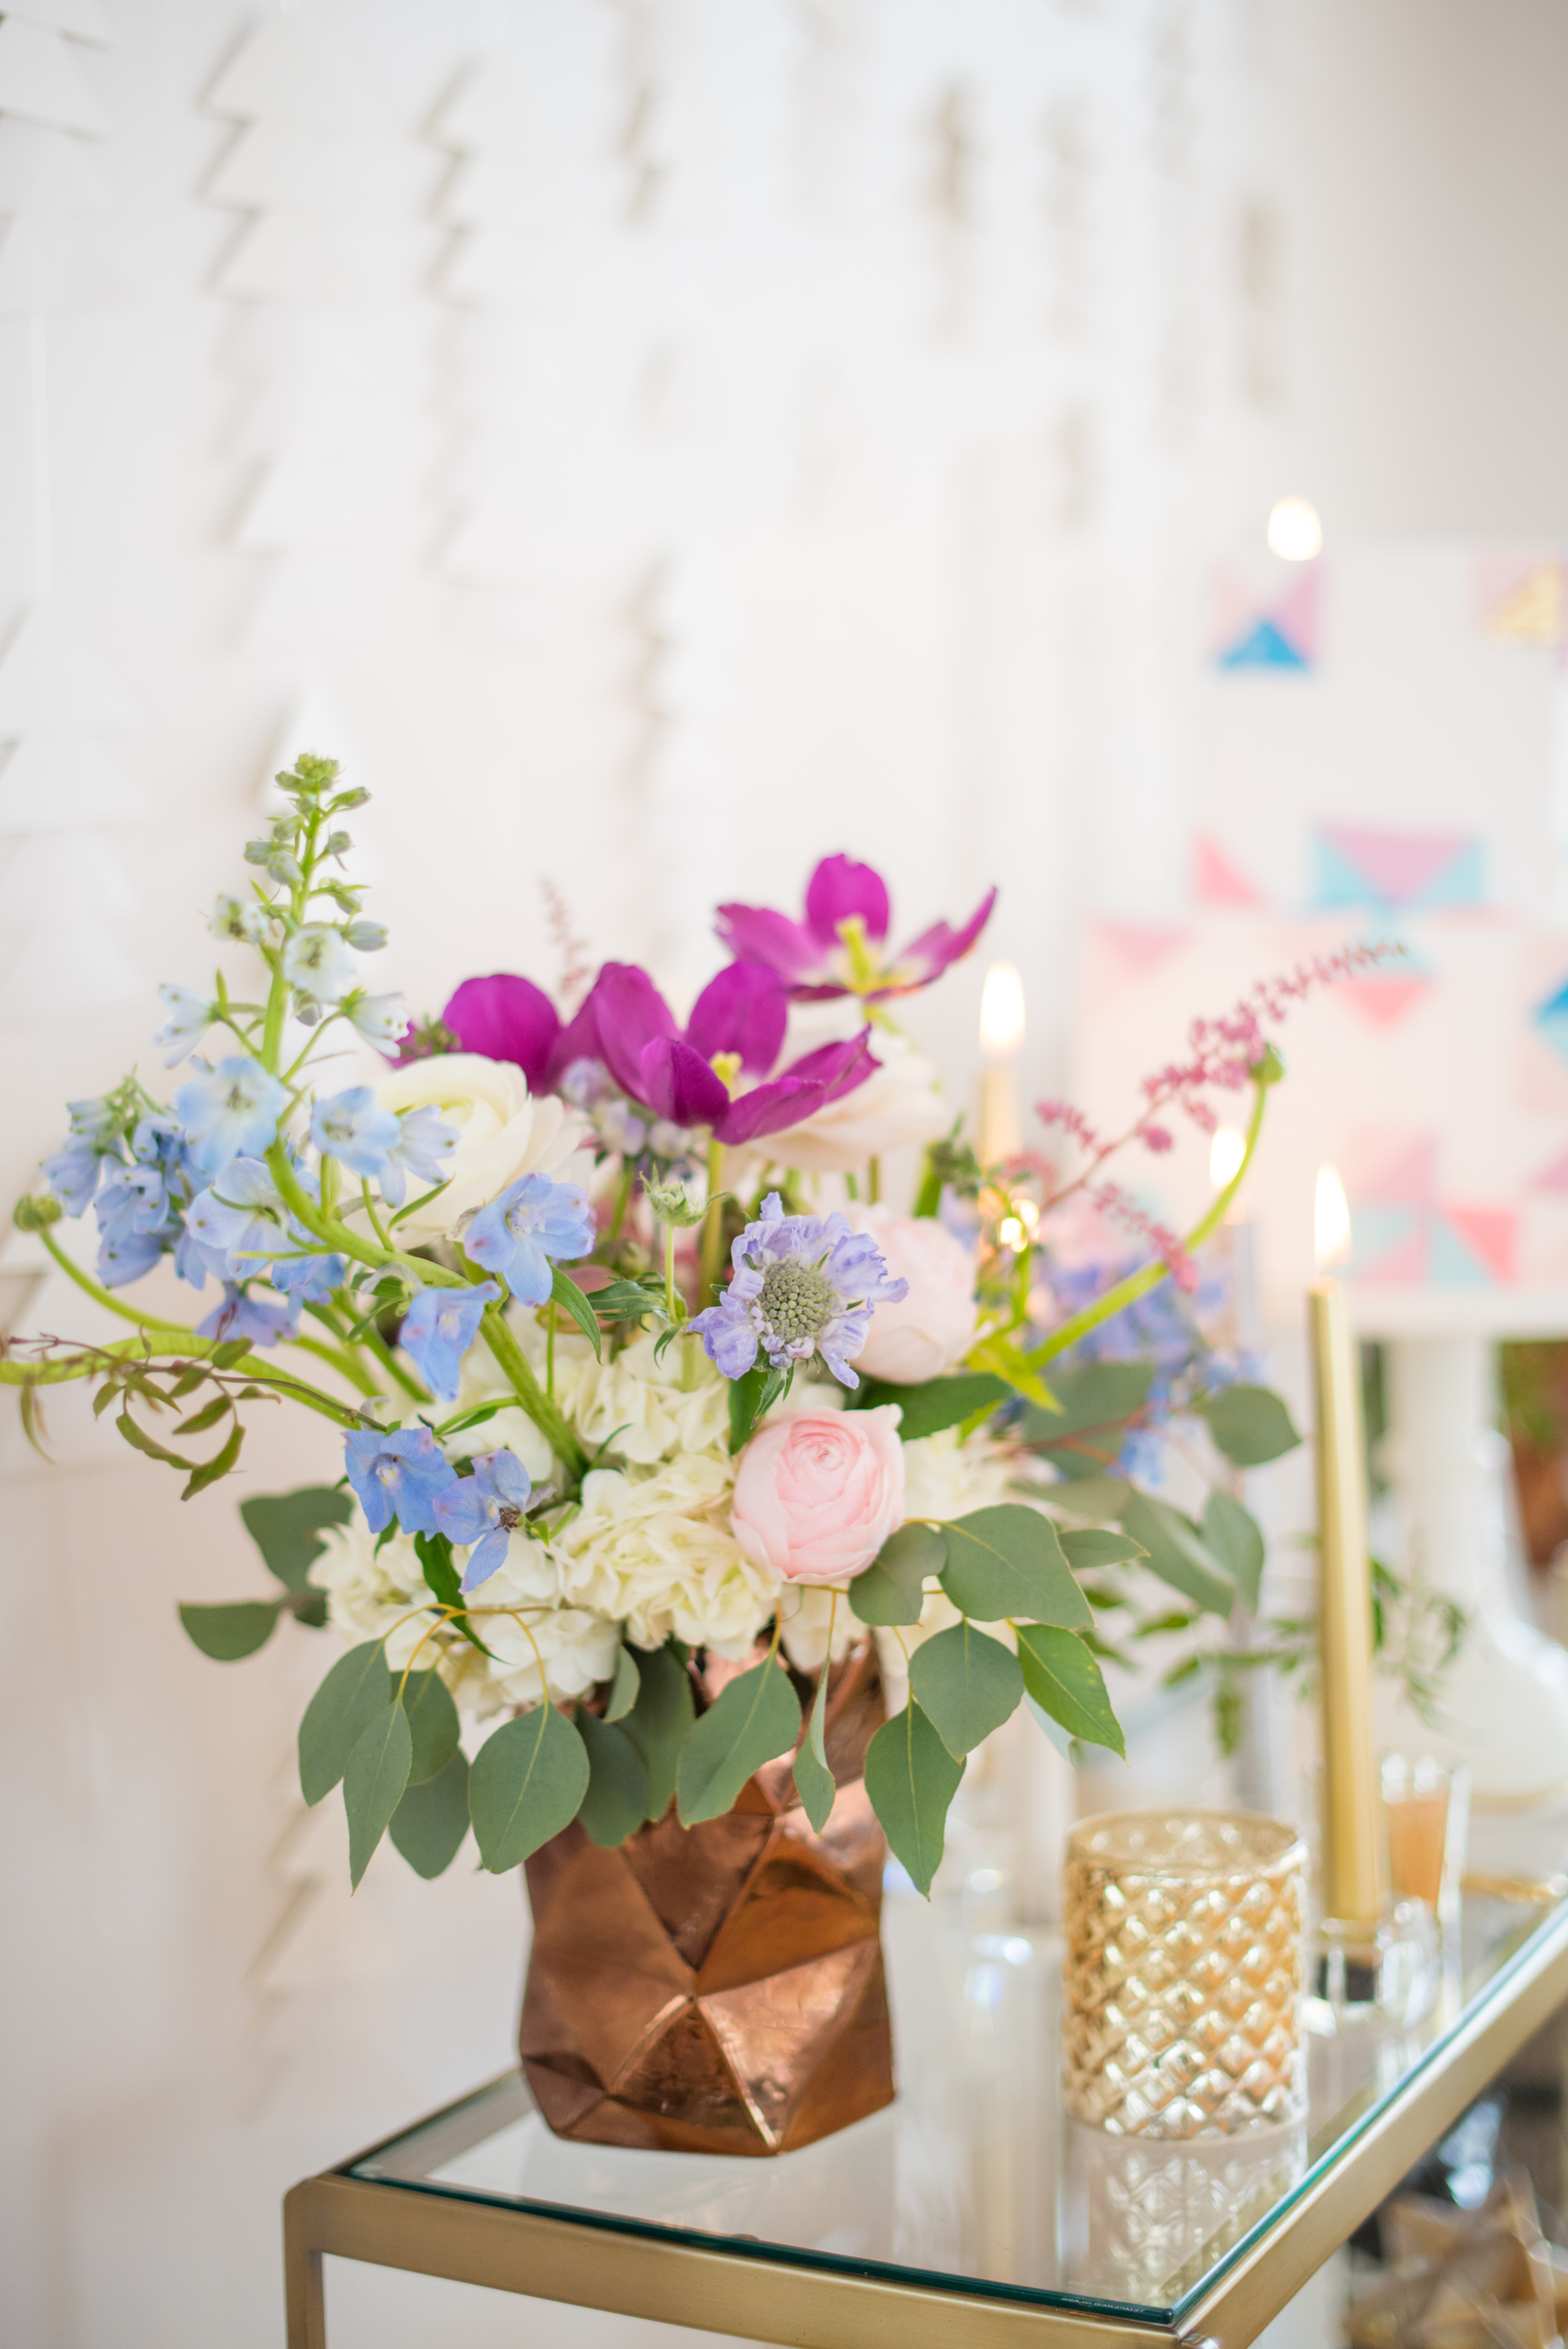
[1001, 1041]
[1344, 1590]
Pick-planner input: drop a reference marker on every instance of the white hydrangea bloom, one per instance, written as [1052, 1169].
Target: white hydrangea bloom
[644, 1410]
[655, 1551]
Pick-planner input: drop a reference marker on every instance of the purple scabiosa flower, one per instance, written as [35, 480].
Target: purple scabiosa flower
[190, 1017]
[803, 1285]
[840, 946]
[380, 1019]
[423, 1149]
[256, 1318]
[317, 963]
[352, 1128]
[229, 1112]
[483, 1511]
[532, 1222]
[399, 1474]
[437, 1330]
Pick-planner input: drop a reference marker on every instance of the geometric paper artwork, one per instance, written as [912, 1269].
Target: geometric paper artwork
[1403, 1232]
[1278, 633]
[1391, 871]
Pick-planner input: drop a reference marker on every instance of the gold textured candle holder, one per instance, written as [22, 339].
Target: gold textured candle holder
[1181, 2014]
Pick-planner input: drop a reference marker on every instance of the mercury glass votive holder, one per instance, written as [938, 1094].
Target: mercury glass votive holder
[1181, 1993]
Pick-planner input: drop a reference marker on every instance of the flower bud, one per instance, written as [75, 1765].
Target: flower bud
[281, 866]
[33, 1214]
[337, 843]
[368, 936]
[257, 851]
[350, 800]
[307, 1010]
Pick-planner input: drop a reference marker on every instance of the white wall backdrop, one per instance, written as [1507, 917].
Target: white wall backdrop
[654, 442]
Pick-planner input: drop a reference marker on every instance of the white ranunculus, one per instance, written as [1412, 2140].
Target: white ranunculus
[934, 1326]
[502, 1132]
[900, 1101]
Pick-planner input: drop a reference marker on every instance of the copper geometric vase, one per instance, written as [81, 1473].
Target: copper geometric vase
[718, 1988]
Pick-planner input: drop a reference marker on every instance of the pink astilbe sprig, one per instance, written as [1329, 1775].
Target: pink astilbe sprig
[1118, 1206]
[576, 965]
[1222, 1055]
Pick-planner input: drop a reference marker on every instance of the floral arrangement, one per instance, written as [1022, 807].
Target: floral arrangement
[652, 1409]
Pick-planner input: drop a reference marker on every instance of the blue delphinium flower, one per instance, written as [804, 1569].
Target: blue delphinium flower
[256, 1318]
[380, 1019]
[230, 1112]
[483, 1511]
[139, 1207]
[399, 1474]
[240, 1229]
[532, 1222]
[317, 963]
[350, 1127]
[72, 1171]
[190, 1017]
[803, 1285]
[423, 1149]
[437, 1330]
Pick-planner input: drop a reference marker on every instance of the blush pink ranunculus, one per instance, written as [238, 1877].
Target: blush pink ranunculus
[934, 1326]
[816, 1496]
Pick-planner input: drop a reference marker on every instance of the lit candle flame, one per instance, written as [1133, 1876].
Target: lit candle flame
[1331, 1219]
[1226, 1153]
[1002, 1012]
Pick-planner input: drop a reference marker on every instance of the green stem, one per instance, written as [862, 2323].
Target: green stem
[1139, 1284]
[874, 1179]
[545, 1415]
[393, 1369]
[623, 1201]
[338, 1358]
[337, 1236]
[250, 1368]
[712, 1252]
[106, 1297]
[670, 1273]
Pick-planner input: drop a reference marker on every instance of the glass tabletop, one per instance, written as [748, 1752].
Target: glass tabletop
[975, 2181]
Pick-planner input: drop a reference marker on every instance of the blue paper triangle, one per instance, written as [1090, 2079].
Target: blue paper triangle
[1459, 882]
[1551, 1021]
[1451, 1259]
[1265, 645]
[1377, 1232]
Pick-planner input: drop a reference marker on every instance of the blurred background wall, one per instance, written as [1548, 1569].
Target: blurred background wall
[652, 443]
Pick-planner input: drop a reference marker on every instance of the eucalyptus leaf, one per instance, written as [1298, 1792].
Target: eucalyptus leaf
[937, 1402]
[1178, 1553]
[1083, 1436]
[1098, 1499]
[966, 1684]
[1006, 1563]
[754, 1718]
[373, 1783]
[660, 1722]
[616, 1802]
[525, 1783]
[286, 1527]
[433, 1720]
[1065, 1681]
[565, 1292]
[624, 1686]
[227, 1633]
[355, 1691]
[891, 1589]
[1237, 1539]
[1095, 1545]
[430, 1821]
[813, 1779]
[1250, 1425]
[910, 1779]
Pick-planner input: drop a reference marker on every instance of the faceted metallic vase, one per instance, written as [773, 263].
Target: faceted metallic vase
[718, 1988]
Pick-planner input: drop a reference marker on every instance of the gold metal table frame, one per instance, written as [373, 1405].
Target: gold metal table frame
[792, 2296]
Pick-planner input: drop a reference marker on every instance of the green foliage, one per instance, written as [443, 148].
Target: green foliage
[1065, 1681]
[910, 1779]
[357, 1689]
[433, 1722]
[373, 1783]
[1236, 1538]
[966, 1684]
[660, 1722]
[624, 1686]
[813, 1779]
[755, 1718]
[525, 1785]
[226, 1633]
[752, 1396]
[628, 1300]
[565, 1292]
[1095, 1498]
[1097, 1400]
[890, 1590]
[1178, 1553]
[936, 1404]
[430, 1821]
[1007, 1563]
[434, 1552]
[617, 1797]
[1251, 1426]
[1095, 1545]
[286, 1529]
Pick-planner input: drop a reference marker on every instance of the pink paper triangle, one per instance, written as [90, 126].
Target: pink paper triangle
[1398, 865]
[1489, 1234]
[1215, 880]
[1553, 1176]
[1383, 1001]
